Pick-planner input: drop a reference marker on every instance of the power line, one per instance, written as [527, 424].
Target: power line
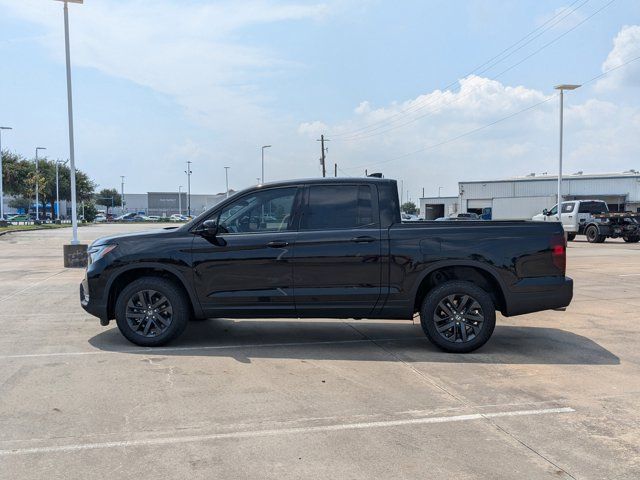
[390, 123]
[500, 120]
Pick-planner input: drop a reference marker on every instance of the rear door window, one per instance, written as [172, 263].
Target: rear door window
[592, 207]
[332, 207]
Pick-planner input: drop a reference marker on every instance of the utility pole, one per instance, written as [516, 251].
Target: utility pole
[37, 186]
[322, 157]
[401, 193]
[1, 178]
[422, 192]
[122, 193]
[188, 172]
[335, 169]
[180, 199]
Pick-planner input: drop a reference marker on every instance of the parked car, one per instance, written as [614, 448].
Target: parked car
[409, 217]
[100, 218]
[593, 219]
[343, 242]
[23, 217]
[154, 218]
[176, 217]
[127, 217]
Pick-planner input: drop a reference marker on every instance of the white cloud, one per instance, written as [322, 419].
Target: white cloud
[599, 136]
[626, 46]
[186, 50]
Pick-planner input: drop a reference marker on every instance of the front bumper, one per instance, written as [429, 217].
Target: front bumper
[91, 305]
[537, 294]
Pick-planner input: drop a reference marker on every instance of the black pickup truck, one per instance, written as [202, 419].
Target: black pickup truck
[333, 248]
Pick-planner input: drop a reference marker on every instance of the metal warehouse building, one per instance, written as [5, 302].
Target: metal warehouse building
[522, 197]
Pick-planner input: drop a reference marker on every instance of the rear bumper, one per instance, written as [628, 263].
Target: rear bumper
[536, 294]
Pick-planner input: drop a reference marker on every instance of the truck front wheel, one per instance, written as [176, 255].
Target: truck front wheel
[151, 311]
[458, 316]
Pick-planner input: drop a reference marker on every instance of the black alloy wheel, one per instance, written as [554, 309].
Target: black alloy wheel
[149, 313]
[458, 316]
[152, 311]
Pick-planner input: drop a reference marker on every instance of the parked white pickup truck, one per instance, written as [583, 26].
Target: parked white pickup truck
[593, 219]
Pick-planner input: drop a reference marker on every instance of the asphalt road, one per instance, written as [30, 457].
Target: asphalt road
[552, 395]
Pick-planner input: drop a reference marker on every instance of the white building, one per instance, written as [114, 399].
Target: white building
[522, 197]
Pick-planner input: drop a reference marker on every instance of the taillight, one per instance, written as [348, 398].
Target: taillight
[559, 253]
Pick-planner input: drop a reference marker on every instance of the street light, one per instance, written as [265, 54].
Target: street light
[188, 172]
[74, 254]
[1, 177]
[37, 188]
[122, 177]
[439, 189]
[562, 88]
[226, 175]
[180, 199]
[263, 147]
[58, 163]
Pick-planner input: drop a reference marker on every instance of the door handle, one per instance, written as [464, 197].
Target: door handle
[363, 239]
[277, 244]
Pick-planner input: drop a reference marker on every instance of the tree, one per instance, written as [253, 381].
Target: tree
[109, 197]
[409, 207]
[90, 212]
[19, 178]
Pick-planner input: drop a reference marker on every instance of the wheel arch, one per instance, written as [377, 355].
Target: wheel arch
[473, 272]
[133, 272]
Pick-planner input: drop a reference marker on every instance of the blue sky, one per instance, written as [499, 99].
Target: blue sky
[160, 82]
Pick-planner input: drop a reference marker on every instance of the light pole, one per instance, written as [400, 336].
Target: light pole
[1, 177]
[263, 147]
[439, 190]
[226, 176]
[180, 199]
[37, 186]
[72, 156]
[122, 177]
[562, 88]
[58, 163]
[188, 172]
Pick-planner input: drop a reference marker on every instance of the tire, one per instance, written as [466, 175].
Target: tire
[134, 311]
[571, 237]
[593, 234]
[474, 333]
[632, 239]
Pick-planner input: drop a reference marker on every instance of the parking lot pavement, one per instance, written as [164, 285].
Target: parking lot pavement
[552, 395]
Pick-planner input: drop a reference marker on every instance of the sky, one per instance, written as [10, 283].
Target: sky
[430, 93]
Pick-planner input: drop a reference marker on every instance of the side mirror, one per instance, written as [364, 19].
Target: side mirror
[209, 228]
[545, 212]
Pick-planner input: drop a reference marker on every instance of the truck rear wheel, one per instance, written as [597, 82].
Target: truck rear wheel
[571, 237]
[151, 311]
[632, 239]
[593, 234]
[458, 316]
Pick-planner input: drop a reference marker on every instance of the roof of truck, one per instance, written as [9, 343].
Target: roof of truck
[302, 181]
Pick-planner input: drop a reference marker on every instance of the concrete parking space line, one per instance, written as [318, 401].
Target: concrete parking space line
[283, 431]
[630, 275]
[32, 285]
[160, 350]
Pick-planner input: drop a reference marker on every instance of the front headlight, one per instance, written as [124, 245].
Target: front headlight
[99, 251]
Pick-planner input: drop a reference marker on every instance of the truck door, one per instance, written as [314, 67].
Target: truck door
[337, 261]
[247, 266]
